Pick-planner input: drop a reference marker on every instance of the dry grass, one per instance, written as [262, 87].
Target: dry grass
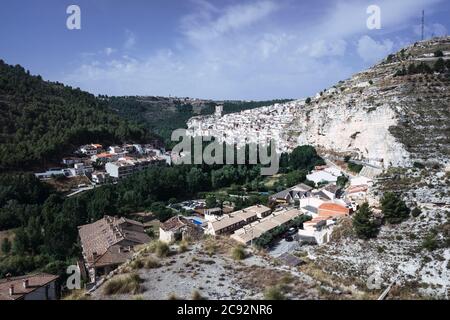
[151, 263]
[343, 230]
[123, 284]
[274, 293]
[161, 249]
[196, 295]
[137, 264]
[67, 184]
[172, 296]
[183, 246]
[77, 295]
[238, 253]
[347, 285]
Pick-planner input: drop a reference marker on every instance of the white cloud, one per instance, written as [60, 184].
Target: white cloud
[243, 51]
[322, 48]
[372, 51]
[109, 51]
[130, 40]
[209, 22]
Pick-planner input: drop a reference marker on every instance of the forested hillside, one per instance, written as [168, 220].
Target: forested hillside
[40, 121]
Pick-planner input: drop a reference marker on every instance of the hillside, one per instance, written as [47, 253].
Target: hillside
[42, 120]
[393, 114]
[395, 118]
[163, 115]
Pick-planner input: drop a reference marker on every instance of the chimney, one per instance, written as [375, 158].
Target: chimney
[11, 290]
[25, 283]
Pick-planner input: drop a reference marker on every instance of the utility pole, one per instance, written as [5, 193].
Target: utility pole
[423, 25]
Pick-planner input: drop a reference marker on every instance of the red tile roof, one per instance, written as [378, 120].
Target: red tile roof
[332, 209]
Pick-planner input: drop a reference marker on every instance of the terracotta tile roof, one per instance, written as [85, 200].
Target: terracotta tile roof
[99, 237]
[241, 216]
[105, 155]
[356, 189]
[175, 223]
[333, 209]
[34, 282]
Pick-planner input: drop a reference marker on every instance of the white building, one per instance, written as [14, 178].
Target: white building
[317, 231]
[322, 177]
[235, 220]
[81, 169]
[91, 149]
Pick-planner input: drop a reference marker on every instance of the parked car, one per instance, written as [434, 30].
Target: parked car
[289, 238]
[291, 232]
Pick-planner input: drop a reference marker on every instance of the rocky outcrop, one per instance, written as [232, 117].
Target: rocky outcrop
[391, 115]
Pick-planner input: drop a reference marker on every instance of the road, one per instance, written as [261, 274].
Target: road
[81, 190]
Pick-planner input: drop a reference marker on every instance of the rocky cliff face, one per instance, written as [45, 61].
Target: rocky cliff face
[390, 115]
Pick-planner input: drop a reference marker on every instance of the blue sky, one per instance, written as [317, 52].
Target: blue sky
[220, 49]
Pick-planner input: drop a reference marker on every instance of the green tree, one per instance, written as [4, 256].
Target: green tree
[364, 223]
[342, 181]
[439, 65]
[438, 53]
[394, 208]
[304, 157]
[211, 201]
[6, 246]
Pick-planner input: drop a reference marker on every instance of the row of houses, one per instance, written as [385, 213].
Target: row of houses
[228, 223]
[252, 231]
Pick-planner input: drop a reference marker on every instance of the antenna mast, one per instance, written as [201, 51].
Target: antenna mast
[423, 24]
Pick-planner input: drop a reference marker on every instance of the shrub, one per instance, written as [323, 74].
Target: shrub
[77, 295]
[438, 53]
[210, 248]
[183, 246]
[274, 293]
[162, 249]
[419, 165]
[353, 167]
[430, 242]
[172, 296]
[238, 253]
[127, 284]
[394, 209]
[196, 295]
[152, 263]
[416, 212]
[439, 65]
[137, 264]
[342, 181]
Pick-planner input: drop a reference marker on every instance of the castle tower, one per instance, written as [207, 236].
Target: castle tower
[219, 111]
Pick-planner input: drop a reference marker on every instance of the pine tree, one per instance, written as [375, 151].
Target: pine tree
[6, 246]
[364, 223]
[394, 208]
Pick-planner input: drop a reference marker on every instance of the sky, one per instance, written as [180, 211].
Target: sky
[214, 49]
